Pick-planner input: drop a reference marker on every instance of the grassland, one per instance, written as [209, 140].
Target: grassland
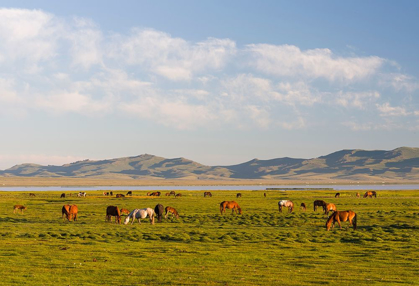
[260, 247]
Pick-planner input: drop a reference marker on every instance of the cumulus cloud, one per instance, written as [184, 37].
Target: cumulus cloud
[358, 100]
[288, 60]
[387, 110]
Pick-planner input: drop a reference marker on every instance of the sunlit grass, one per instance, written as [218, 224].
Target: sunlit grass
[262, 246]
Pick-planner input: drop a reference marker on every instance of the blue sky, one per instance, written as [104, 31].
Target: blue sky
[218, 82]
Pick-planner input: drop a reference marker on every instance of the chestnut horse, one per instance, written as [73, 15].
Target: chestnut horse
[113, 211]
[319, 203]
[329, 207]
[207, 194]
[72, 212]
[65, 210]
[230, 205]
[124, 211]
[303, 206]
[370, 194]
[171, 210]
[339, 216]
[18, 207]
[287, 204]
[358, 195]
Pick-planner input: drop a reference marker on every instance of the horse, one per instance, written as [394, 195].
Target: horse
[140, 213]
[303, 206]
[329, 207]
[111, 193]
[370, 194]
[286, 203]
[62, 195]
[178, 195]
[31, 194]
[239, 195]
[124, 211]
[207, 194]
[64, 211]
[159, 210]
[230, 205]
[113, 211]
[81, 194]
[72, 212]
[167, 194]
[358, 195]
[319, 203]
[19, 207]
[106, 193]
[172, 193]
[264, 194]
[171, 210]
[337, 195]
[129, 193]
[120, 196]
[339, 216]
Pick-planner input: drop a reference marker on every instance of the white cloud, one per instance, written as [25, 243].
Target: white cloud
[290, 61]
[387, 110]
[358, 100]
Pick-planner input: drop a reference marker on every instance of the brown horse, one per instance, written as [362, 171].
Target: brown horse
[65, 210]
[370, 194]
[167, 194]
[120, 196]
[207, 194]
[72, 213]
[303, 206]
[358, 195]
[339, 216]
[171, 210]
[18, 207]
[287, 204]
[239, 195]
[178, 195]
[329, 207]
[172, 193]
[31, 194]
[230, 205]
[319, 203]
[337, 195]
[159, 210]
[124, 211]
[113, 211]
[264, 194]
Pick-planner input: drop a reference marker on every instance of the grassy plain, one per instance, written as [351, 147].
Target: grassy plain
[260, 247]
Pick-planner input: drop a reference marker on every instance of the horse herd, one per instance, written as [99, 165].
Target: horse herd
[70, 211]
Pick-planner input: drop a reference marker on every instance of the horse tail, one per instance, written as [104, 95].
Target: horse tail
[354, 221]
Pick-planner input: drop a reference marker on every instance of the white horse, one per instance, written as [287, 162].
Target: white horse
[140, 213]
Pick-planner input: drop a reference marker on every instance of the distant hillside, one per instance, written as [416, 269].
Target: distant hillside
[400, 163]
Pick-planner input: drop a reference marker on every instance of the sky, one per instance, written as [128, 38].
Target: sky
[217, 82]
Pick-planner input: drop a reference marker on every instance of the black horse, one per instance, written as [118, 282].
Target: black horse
[129, 193]
[159, 211]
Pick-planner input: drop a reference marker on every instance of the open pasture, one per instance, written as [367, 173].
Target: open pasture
[261, 246]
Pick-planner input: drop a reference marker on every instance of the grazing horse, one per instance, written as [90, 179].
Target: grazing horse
[19, 207]
[358, 195]
[172, 193]
[178, 195]
[207, 194]
[337, 195]
[330, 207]
[31, 194]
[62, 195]
[81, 194]
[319, 203]
[264, 194]
[65, 210]
[159, 210]
[113, 211]
[339, 216]
[171, 210]
[120, 196]
[124, 211]
[239, 195]
[140, 213]
[287, 204]
[129, 193]
[303, 206]
[230, 205]
[111, 193]
[72, 213]
[167, 194]
[370, 194]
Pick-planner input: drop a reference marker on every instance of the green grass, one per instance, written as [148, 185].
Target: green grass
[262, 246]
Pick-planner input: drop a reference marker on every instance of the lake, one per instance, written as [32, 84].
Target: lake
[212, 188]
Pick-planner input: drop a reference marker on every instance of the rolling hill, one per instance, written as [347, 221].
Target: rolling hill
[362, 165]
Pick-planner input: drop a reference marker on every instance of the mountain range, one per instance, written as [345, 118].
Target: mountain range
[398, 164]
